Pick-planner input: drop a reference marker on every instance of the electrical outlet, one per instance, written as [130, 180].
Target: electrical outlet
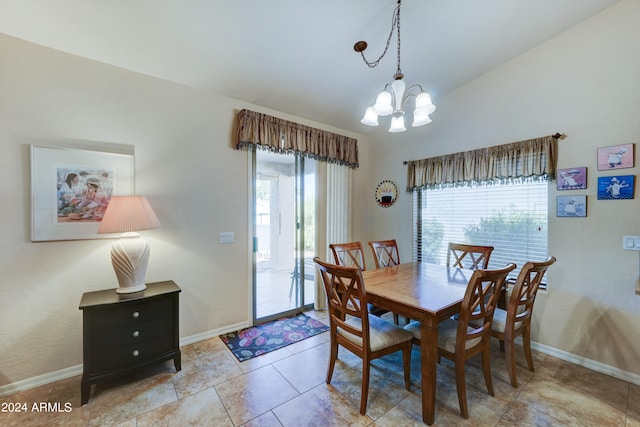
[631, 243]
[227, 237]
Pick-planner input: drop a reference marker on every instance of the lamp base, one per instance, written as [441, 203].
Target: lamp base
[130, 256]
[131, 289]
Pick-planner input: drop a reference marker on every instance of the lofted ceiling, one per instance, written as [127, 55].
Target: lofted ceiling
[296, 56]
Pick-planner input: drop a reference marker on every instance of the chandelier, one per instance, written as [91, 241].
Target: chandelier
[395, 96]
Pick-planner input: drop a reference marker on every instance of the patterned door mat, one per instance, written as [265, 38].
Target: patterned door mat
[256, 340]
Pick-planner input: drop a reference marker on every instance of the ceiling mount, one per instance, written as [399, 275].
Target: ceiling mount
[393, 99]
[360, 46]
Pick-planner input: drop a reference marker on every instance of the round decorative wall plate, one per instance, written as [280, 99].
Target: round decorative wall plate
[386, 193]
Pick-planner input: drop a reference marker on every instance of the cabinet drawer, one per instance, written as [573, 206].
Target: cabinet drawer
[132, 354]
[132, 334]
[105, 321]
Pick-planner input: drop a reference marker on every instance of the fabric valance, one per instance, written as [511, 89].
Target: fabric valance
[533, 159]
[282, 136]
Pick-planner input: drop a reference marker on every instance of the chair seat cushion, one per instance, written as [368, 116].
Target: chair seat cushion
[499, 322]
[382, 334]
[446, 334]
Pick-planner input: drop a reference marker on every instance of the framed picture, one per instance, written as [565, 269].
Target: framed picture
[572, 206]
[71, 189]
[615, 187]
[615, 157]
[572, 178]
[386, 193]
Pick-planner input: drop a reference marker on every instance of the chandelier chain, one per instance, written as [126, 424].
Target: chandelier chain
[395, 23]
[398, 72]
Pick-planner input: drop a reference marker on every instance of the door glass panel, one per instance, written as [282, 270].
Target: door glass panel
[281, 225]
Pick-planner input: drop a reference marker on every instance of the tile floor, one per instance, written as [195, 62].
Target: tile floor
[287, 388]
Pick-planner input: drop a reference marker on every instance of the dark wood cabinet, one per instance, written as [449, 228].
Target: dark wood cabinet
[123, 332]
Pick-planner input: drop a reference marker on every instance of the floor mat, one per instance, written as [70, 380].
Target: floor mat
[256, 340]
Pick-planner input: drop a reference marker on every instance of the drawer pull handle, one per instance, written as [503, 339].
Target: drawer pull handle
[136, 314]
[136, 353]
[136, 334]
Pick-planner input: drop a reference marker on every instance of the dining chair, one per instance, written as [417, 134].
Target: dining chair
[459, 340]
[472, 257]
[354, 328]
[352, 255]
[349, 254]
[516, 319]
[385, 253]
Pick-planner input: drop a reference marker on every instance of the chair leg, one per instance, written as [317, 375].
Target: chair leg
[461, 388]
[526, 343]
[511, 362]
[406, 362]
[486, 370]
[502, 345]
[366, 368]
[395, 319]
[332, 360]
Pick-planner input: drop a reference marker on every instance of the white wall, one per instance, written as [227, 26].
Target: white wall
[584, 83]
[184, 164]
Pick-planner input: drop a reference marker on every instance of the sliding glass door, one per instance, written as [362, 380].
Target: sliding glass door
[284, 234]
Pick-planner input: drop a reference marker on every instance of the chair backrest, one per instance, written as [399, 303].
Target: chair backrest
[478, 305]
[523, 295]
[345, 292]
[473, 257]
[385, 253]
[348, 254]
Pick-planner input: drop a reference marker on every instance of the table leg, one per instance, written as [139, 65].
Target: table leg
[429, 351]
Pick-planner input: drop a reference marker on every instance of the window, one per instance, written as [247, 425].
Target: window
[511, 217]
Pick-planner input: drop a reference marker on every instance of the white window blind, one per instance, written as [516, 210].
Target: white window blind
[511, 217]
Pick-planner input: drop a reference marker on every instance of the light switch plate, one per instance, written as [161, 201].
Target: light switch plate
[227, 237]
[631, 243]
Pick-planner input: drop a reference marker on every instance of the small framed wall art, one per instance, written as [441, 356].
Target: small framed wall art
[386, 193]
[616, 187]
[572, 206]
[615, 157]
[572, 178]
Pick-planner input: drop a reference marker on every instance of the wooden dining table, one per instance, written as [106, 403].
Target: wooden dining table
[425, 292]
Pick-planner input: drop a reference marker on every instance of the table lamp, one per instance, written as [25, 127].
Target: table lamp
[130, 253]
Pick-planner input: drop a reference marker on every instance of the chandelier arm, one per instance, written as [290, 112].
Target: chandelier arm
[408, 94]
[395, 22]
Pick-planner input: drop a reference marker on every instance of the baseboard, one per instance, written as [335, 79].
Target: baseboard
[73, 371]
[77, 370]
[213, 333]
[587, 363]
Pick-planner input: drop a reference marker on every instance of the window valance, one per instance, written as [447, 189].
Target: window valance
[282, 136]
[533, 159]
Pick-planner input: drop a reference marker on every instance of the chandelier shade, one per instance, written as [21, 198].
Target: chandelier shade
[394, 98]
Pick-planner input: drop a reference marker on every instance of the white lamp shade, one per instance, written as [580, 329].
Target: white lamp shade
[370, 118]
[128, 213]
[420, 118]
[129, 254]
[383, 106]
[397, 122]
[424, 100]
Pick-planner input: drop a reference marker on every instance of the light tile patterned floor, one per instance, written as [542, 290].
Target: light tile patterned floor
[287, 388]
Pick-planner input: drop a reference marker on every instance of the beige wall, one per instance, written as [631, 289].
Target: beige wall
[184, 164]
[585, 84]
